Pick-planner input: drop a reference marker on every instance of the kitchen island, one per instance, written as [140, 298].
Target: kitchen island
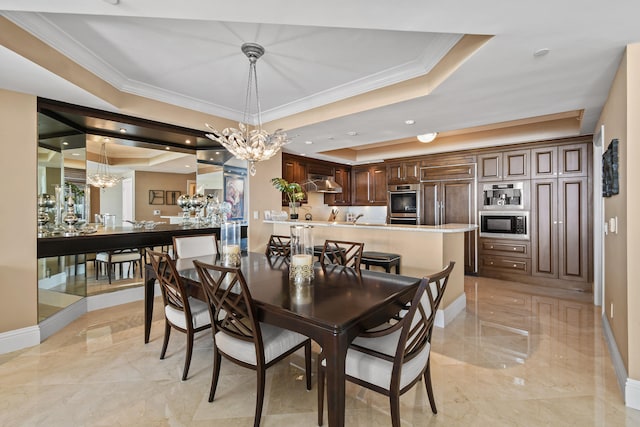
[424, 249]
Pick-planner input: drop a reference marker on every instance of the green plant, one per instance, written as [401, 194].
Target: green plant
[293, 190]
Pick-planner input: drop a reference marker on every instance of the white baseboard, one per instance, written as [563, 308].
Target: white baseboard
[616, 358]
[19, 339]
[446, 315]
[34, 335]
[632, 394]
[110, 299]
[59, 320]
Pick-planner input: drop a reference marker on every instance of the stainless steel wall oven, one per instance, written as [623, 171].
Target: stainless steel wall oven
[404, 204]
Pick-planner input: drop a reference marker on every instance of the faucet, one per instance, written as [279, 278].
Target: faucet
[357, 218]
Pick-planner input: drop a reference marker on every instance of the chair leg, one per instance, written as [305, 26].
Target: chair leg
[259, 396]
[187, 360]
[217, 359]
[320, 390]
[394, 400]
[307, 363]
[427, 383]
[167, 332]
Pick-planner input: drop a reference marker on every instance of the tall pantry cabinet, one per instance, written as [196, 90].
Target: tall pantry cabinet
[560, 213]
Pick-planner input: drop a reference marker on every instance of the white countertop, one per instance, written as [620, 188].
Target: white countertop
[446, 228]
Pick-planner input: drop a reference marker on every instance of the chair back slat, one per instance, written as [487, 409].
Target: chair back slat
[231, 306]
[421, 315]
[174, 293]
[348, 254]
[278, 246]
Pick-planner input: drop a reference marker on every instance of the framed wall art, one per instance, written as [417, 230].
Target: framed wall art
[156, 197]
[234, 186]
[171, 197]
[610, 180]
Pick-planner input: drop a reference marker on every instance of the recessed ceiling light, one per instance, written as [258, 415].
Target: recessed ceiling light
[308, 142]
[211, 158]
[427, 137]
[187, 166]
[167, 148]
[352, 133]
[409, 122]
[541, 52]
[188, 141]
[106, 140]
[217, 153]
[65, 143]
[123, 130]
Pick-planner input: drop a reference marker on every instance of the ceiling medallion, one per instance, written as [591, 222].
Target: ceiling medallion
[250, 143]
[102, 178]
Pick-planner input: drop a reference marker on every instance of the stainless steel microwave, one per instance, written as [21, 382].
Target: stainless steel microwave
[504, 225]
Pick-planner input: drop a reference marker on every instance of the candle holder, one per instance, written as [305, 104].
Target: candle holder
[301, 268]
[230, 238]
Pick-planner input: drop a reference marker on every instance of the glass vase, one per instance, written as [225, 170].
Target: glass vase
[301, 267]
[230, 240]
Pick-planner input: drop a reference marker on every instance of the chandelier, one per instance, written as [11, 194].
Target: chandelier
[102, 178]
[250, 143]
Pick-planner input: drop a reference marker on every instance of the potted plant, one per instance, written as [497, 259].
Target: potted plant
[293, 191]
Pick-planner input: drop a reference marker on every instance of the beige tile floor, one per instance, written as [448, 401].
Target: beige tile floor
[518, 356]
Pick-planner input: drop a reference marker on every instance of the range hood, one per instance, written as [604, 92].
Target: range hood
[322, 184]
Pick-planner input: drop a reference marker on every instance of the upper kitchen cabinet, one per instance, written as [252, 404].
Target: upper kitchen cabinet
[506, 165]
[370, 185]
[405, 172]
[293, 170]
[342, 176]
[559, 161]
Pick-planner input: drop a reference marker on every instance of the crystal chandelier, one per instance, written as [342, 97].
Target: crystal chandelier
[250, 143]
[102, 178]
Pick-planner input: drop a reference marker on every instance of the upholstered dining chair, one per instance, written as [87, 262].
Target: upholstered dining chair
[237, 334]
[195, 246]
[391, 360]
[278, 246]
[117, 258]
[342, 252]
[181, 312]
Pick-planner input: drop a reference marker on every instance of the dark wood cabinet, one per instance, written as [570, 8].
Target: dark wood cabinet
[561, 161]
[405, 172]
[502, 258]
[449, 202]
[342, 175]
[505, 165]
[560, 229]
[293, 170]
[369, 185]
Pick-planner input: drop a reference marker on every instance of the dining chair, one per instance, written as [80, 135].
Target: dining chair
[342, 252]
[182, 312]
[278, 246]
[117, 258]
[195, 246]
[237, 333]
[391, 360]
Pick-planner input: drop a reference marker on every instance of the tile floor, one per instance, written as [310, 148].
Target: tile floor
[518, 356]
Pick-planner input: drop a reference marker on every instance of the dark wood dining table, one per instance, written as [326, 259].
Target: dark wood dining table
[339, 305]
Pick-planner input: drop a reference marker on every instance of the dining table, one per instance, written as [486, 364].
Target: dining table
[338, 305]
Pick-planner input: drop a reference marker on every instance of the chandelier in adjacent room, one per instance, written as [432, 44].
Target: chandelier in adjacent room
[250, 142]
[102, 178]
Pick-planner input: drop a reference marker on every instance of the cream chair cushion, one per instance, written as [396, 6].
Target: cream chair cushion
[276, 342]
[199, 314]
[378, 371]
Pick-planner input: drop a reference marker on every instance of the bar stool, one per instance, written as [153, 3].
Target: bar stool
[381, 259]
